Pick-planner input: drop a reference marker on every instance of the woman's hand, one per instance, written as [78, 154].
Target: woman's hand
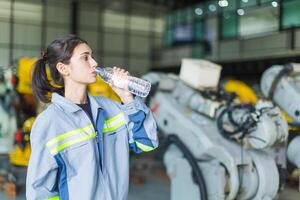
[124, 94]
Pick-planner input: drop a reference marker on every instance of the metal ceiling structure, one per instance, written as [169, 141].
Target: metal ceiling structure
[165, 4]
[173, 4]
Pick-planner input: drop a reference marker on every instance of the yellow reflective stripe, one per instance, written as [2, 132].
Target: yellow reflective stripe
[113, 118]
[105, 130]
[143, 147]
[68, 134]
[67, 144]
[113, 123]
[54, 198]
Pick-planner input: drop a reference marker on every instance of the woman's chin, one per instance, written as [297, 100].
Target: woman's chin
[92, 80]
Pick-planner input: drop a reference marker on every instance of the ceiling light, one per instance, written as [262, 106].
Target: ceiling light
[198, 11]
[274, 4]
[240, 11]
[223, 3]
[212, 8]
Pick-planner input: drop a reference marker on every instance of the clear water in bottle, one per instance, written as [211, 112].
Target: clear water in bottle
[136, 86]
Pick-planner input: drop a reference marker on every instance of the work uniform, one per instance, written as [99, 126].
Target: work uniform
[76, 157]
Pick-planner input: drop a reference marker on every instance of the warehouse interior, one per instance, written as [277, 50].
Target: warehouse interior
[225, 90]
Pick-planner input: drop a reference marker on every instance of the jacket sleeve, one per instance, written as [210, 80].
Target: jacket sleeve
[141, 126]
[42, 168]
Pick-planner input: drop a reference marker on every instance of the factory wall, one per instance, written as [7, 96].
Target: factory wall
[241, 30]
[118, 38]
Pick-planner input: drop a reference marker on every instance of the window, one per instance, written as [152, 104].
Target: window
[290, 14]
[259, 21]
[229, 25]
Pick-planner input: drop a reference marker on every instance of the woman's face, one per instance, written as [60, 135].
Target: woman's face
[82, 65]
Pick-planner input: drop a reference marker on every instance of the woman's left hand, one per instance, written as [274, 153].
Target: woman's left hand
[124, 94]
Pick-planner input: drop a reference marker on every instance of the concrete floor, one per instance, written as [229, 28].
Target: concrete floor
[157, 185]
[289, 194]
[159, 189]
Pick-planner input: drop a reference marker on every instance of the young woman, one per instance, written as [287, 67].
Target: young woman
[80, 144]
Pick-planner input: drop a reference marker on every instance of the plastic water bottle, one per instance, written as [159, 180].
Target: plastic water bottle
[136, 86]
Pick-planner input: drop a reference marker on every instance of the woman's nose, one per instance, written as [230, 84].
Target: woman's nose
[94, 63]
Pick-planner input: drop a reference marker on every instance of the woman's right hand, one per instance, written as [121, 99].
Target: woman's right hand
[123, 93]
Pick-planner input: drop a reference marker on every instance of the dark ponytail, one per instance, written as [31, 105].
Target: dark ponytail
[40, 83]
[60, 50]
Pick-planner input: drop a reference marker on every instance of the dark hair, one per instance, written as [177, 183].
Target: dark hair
[60, 50]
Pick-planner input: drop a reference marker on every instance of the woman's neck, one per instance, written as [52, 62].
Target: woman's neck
[76, 93]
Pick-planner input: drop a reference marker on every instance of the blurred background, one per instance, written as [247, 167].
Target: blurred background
[243, 37]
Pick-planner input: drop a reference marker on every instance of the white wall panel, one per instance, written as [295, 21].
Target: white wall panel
[53, 33]
[5, 9]
[19, 53]
[59, 13]
[114, 42]
[4, 32]
[139, 44]
[139, 67]
[27, 34]
[90, 37]
[88, 15]
[114, 20]
[110, 61]
[4, 57]
[28, 11]
[139, 23]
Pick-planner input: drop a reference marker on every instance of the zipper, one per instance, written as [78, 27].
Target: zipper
[97, 139]
[97, 134]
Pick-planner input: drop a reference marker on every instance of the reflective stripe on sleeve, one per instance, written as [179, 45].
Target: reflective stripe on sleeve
[114, 123]
[143, 147]
[53, 198]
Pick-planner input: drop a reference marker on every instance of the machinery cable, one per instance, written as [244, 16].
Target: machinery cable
[174, 139]
[287, 68]
[242, 127]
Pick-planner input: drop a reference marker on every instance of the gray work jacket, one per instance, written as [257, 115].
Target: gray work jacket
[76, 158]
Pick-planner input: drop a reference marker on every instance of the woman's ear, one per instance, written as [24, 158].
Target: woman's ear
[62, 68]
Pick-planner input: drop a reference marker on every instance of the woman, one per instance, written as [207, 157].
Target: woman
[80, 144]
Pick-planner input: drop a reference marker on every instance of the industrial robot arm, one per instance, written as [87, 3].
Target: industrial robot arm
[281, 83]
[231, 169]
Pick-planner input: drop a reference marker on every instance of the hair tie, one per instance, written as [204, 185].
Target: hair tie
[44, 56]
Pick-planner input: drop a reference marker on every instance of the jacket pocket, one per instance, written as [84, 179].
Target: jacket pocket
[114, 132]
[76, 146]
[77, 157]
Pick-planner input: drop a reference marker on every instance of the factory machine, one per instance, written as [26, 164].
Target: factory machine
[8, 124]
[7, 113]
[218, 147]
[281, 83]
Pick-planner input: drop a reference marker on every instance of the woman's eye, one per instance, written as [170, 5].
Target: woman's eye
[86, 58]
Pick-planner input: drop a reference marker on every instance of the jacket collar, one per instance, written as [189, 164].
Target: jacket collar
[94, 106]
[69, 106]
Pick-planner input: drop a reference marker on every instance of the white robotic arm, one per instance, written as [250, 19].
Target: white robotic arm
[281, 83]
[230, 170]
